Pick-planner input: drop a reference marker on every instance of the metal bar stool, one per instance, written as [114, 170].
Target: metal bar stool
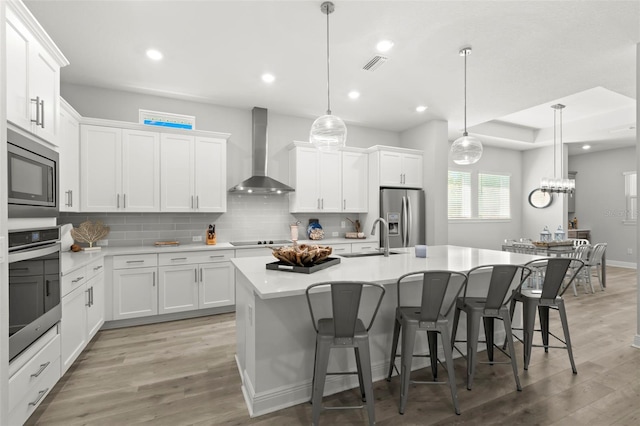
[429, 316]
[555, 283]
[344, 330]
[494, 305]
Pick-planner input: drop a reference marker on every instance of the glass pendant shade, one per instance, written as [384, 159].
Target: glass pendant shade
[466, 150]
[328, 133]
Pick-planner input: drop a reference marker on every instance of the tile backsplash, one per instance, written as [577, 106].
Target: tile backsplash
[248, 218]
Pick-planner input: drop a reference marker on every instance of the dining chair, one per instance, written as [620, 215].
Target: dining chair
[595, 261]
[344, 329]
[581, 252]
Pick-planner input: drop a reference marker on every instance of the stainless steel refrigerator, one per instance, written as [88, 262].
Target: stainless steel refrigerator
[404, 211]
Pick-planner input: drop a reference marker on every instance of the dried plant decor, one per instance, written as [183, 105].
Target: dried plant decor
[90, 232]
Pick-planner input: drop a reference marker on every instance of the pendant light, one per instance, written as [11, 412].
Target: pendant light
[555, 184]
[328, 132]
[466, 149]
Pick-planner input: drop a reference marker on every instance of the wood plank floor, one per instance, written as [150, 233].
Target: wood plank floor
[184, 373]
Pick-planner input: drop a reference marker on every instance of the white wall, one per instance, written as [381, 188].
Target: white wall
[431, 138]
[600, 200]
[487, 234]
[538, 163]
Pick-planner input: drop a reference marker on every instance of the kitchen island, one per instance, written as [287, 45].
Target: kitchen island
[275, 337]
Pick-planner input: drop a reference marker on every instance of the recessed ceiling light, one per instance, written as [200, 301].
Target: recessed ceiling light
[154, 54]
[268, 78]
[384, 45]
[421, 108]
[354, 95]
[586, 146]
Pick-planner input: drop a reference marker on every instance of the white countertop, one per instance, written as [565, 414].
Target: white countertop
[383, 270]
[70, 261]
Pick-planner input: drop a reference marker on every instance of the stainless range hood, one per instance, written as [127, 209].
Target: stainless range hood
[259, 183]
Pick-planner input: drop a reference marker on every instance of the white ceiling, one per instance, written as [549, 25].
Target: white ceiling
[527, 55]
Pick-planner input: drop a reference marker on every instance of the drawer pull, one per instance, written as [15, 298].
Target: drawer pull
[78, 279]
[41, 369]
[135, 261]
[41, 395]
[216, 256]
[178, 258]
[97, 268]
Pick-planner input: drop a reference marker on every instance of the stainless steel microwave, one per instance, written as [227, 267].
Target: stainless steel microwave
[32, 177]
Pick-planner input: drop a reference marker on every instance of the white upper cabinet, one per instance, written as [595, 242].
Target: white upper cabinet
[119, 170]
[355, 181]
[328, 181]
[69, 150]
[400, 168]
[194, 173]
[317, 179]
[33, 74]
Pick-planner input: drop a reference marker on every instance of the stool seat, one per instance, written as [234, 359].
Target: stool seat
[326, 327]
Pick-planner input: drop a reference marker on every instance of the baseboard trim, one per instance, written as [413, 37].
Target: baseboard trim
[630, 265]
[636, 341]
[153, 319]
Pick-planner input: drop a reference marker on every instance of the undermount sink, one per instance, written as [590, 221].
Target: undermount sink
[366, 253]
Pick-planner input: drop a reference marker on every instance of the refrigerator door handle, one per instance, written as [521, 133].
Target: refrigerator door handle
[409, 226]
[403, 221]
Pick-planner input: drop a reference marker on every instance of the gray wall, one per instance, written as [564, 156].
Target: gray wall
[491, 234]
[600, 200]
[247, 217]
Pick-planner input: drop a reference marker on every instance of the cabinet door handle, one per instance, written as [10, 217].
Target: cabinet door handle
[41, 394]
[178, 258]
[88, 304]
[91, 294]
[196, 274]
[318, 203]
[192, 201]
[41, 369]
[117, 201]
[200, 274]
[321, 203]
[197, 201]
[124, 201]
[37, 101]
[46, 286]
[70, 198]
[344, 204]
[42, 114]
[68, 203]
[154, 278]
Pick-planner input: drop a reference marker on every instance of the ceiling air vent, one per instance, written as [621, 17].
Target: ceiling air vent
[375, 63]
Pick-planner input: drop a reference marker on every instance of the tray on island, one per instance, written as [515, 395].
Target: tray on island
[553, 243]
[282, 266]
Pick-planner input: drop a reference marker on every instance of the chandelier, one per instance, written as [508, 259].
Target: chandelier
[328, 132]
[555, 184]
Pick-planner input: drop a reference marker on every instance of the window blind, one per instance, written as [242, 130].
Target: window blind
[631, 193]
[459, 191]
[494, 196]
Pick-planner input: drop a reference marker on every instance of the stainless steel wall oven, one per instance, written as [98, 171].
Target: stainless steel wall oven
[34, 285]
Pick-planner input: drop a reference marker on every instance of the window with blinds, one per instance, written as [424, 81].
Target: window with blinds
[494, 196]
[459, 195]
[479, 196]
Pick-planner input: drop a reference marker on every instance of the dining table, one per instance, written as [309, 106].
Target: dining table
[551, 250]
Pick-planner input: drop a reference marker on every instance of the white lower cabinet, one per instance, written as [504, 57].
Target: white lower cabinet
[195, 280]
[340, 248]
[82, 310]
[32, 375]
[358, 247]
[135, 290]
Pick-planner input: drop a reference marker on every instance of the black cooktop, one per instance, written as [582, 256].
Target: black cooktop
[260, 242]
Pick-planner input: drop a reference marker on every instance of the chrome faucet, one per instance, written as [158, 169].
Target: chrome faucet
[386, 234]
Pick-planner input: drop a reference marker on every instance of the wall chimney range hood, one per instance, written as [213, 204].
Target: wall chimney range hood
[259, 183]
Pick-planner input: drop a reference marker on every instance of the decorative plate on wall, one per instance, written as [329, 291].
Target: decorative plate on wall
[540, 199]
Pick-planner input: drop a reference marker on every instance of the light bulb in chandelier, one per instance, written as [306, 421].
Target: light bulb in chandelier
[328, 133]
[466, 150]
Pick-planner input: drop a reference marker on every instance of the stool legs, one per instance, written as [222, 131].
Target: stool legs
[488, 333]
[394, 347]
[360, 378]
[408, 343]
[448, 357]
[432, 338]
[567, 338]
[528, 323]
[473, 334]
[543, 313]
[322, 362]
[366, 382]
[509, 340]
